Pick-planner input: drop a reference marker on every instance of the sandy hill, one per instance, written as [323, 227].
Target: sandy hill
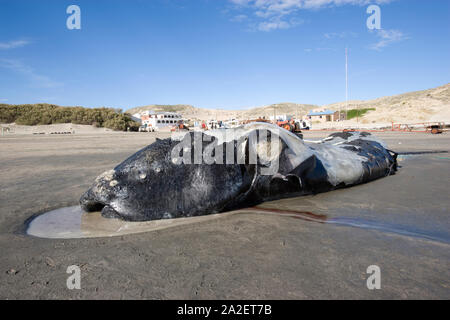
[187, 111]
[168, 108]
[419, 106]
[191, 112]
[289, 108]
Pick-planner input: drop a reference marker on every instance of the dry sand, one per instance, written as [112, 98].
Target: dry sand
[57, 129]
[247, 255]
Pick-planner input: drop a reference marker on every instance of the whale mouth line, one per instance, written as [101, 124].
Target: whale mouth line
[95, 206]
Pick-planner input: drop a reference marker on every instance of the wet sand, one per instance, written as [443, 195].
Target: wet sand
[400, 223]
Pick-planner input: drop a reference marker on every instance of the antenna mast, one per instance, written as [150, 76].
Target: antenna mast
[346, 79]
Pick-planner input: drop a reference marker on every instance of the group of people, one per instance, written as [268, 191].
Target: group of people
[213, 125]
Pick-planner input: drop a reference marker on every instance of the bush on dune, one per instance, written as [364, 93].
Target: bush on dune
[354, 113]
[36, 114]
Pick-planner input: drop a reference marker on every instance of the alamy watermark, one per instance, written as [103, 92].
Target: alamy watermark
[74, 280]
[258, 147]
[374, 280]
[74, 20]
[374, 21]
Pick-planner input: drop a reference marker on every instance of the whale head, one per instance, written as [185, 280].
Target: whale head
[150, 185]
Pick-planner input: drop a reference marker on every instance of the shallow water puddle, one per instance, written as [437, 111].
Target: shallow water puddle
[73, 223]
[390, 228]
[361, 223]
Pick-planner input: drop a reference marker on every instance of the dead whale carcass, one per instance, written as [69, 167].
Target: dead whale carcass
[205, 173]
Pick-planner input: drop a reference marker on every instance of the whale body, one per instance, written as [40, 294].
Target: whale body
[152, 184]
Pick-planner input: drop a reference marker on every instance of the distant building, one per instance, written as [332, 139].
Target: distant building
[281, 117]
[157, 120]
[323, 115]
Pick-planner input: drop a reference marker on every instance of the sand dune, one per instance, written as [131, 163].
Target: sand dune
[59, 128]
[418, 106]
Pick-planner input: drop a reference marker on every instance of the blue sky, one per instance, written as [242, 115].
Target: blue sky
[219, 53]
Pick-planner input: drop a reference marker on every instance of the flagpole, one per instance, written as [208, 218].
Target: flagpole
[346, 80]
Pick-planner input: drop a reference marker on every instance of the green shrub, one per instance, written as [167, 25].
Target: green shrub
[353, 113]
[35, 114]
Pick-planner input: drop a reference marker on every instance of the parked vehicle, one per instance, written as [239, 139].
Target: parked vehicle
[294, 125]
[147, 128]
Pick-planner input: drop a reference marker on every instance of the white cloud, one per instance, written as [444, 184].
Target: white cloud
[277, 23]
[266, 8]
[36, 79]
[239, 18]
[274, 12]
[340, 35]
[273, 25]
[319, 49]
[388, 37]
[13, 44]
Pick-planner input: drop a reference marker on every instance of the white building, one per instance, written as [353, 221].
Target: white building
[280, 117]
[152, 120]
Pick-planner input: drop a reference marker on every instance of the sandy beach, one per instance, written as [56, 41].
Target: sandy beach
[400, 223]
